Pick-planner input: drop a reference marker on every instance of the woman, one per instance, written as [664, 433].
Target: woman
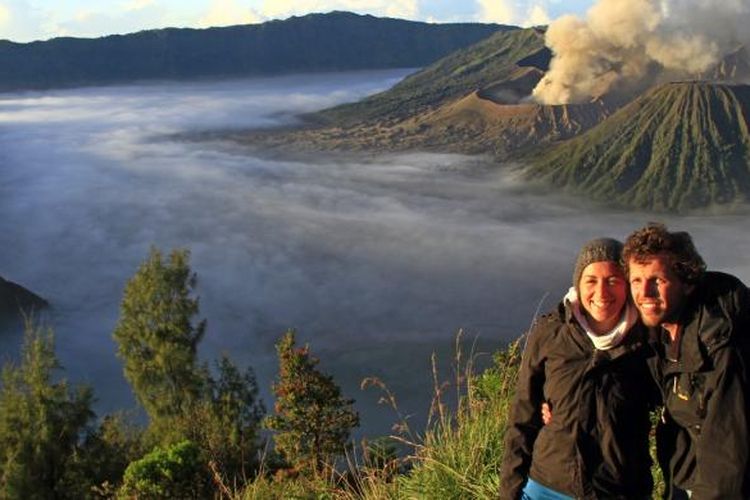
[586, 360]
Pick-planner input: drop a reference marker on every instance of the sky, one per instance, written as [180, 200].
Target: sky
[29, 20]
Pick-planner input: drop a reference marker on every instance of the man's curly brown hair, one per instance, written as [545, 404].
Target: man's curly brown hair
[654, 239]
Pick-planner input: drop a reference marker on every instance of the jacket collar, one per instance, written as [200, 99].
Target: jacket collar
[631, 342]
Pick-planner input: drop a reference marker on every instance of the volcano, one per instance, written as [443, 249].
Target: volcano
[478, 124]
[680, 146]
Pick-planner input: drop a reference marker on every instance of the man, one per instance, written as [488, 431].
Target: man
[699, 326]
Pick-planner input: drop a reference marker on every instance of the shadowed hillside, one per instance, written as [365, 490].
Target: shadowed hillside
[682, 145]
[316, 42]
[15, 299]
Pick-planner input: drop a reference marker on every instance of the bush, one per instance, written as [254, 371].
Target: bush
[174, 472]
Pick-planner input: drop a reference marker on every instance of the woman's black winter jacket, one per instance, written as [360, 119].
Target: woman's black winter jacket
[596, 445]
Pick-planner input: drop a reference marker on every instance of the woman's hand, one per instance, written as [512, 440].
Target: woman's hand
[546, 413]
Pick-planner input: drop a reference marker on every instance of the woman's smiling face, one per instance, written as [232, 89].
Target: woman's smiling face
[603, 291]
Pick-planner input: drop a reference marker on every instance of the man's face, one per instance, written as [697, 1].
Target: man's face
[657, 291]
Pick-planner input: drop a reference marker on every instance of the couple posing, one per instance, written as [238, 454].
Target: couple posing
[644, 325]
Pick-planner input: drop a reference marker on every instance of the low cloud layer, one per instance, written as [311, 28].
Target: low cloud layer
[619, 43]
[377, 260]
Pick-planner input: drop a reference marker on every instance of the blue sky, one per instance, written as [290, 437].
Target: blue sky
[27, 20]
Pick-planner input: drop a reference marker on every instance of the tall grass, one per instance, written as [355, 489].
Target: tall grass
[461, 452]
[457, 456]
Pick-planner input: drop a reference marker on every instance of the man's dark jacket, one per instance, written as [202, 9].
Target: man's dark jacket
[704, 437]
[596, 445]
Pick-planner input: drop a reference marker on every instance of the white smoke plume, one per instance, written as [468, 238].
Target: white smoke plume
[621, 41]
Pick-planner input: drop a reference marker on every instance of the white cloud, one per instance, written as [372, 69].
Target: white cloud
[20, 21]
[513, 12]
[130, 17]
[496, 11]
[408, 9]
[137, 4]
[4, 14]
[537, 16]
[228, 13]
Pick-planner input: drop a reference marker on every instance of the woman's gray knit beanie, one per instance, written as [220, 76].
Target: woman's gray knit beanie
[598, 250]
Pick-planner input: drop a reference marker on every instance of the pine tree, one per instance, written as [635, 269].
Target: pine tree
[41, 422]
[157, 339]
[313, 421]
[227, 420]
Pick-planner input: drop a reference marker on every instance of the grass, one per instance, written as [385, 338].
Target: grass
[461, 453]
[458, 456]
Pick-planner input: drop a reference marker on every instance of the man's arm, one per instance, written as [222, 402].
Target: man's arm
[722, 455]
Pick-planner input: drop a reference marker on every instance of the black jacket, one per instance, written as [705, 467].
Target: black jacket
[704, 437]
[596, 445]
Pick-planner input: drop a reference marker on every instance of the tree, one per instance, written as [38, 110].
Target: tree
[227, 420]
[312, 421]
[157, 339]
[41, 423]
[106, 453]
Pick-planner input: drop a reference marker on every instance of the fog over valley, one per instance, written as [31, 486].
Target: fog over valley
[376, 259]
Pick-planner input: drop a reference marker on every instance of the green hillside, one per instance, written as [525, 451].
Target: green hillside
[316, 42]
[483, 65]
[680, 146]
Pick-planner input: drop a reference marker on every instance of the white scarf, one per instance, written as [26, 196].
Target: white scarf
[614, 336]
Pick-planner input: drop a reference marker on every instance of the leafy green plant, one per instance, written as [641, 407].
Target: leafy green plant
[172, 472]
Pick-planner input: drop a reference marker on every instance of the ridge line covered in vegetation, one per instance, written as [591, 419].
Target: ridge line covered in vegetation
[336, 41]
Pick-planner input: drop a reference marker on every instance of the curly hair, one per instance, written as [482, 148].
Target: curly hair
[653, 239]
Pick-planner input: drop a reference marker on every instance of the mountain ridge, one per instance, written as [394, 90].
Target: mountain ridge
[336, 41]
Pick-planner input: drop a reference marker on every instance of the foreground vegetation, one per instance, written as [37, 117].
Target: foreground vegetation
[207, 434]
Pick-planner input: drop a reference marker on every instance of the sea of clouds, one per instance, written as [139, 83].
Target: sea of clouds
[376, 259]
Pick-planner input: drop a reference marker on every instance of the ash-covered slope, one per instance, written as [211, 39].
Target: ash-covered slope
[493, 121]
[680, 146]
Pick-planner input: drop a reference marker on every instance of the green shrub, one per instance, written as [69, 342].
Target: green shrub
[174, 472]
